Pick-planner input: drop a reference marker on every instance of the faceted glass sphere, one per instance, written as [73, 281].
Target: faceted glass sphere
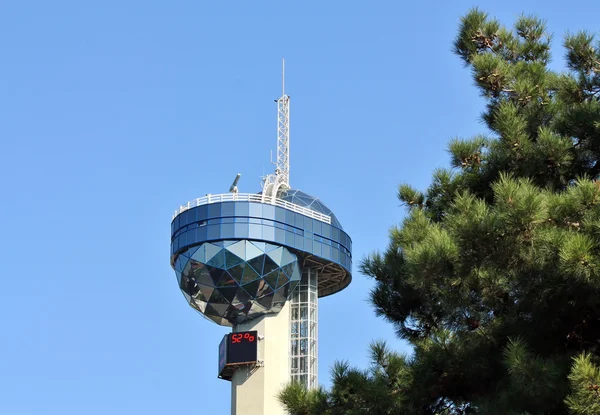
[230, 282]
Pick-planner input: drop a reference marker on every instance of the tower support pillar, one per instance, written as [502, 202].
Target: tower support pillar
[254, 389]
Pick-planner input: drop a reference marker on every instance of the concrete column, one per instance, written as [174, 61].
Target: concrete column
[254, 390]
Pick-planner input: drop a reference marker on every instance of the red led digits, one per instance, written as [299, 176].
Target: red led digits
[242, 337]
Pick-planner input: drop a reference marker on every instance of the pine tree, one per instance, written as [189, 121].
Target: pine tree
[494, 274]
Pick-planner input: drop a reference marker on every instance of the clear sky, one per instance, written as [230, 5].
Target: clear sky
[113, 113]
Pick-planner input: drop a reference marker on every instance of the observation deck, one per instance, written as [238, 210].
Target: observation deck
[314, 236]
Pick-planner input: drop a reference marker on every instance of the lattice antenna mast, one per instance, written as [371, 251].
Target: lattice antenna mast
[283, 134]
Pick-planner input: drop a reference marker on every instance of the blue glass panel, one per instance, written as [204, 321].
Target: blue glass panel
[326, 230]
[202, 212]
[241, 230]
[256, 221]
[191, 236]
[308, 244]
[191, 215]
[182, 239]
[213, 232]
[335, 234]
[227, 231]
[289, 238]
[308, 224]
[289, 217]
[268, 211]
[298, 220]
[280, 236]
[317, 226]
[214, 210]
[268, 233]
[183, 219]
[255, 210]
[326, 251]
[174, 245]
[255, 231]
[241, 208]
[299, 242]
[201, 233]
[317, 248]
[280, 214]
[227, 209]
[176, 222]
[335, 254]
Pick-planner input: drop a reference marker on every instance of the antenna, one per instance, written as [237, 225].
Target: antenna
[272, 183]
[283, 134]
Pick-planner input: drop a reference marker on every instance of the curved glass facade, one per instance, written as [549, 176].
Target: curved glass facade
[300, 198]
[327, 244]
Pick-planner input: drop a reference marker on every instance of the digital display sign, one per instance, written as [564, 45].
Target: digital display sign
[242, 347]
[237, 349]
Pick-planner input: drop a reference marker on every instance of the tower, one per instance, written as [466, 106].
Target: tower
[258, 262]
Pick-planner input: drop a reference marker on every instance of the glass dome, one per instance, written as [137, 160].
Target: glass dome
[300, 198]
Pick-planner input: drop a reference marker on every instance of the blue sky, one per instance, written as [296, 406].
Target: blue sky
[113, 114]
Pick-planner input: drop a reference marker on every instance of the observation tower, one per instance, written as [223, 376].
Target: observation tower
[258, 262]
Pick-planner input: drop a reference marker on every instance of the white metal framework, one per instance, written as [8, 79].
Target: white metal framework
[281, 178]
[283, 135]
[304, 333]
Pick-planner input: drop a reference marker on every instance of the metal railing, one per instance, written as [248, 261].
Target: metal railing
[252, 197]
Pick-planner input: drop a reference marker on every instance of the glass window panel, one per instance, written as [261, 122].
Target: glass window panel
[257, 221]
[317, 248]
[308, 224]
[303, 350]
[255, 210]
[255, 231]
[289, 217]
[289, 238]
[182, 239]
[227, 209]
[335, 234]
[268, 211]
[308, 244]
[280, 236]
[227, 231]
[279, 214]
[335, 254]
[213, 232]
[298, 220]
[326, 251]
[214, 210]
[191, 215]
[191, 237]
[299, 242]
[183, 219]
[175, 245]
[241, 208]
[326, 230]
[201, 233]
[202, 212]
[268, 233]
[176, 222]
[241, 230]
[317, 226]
